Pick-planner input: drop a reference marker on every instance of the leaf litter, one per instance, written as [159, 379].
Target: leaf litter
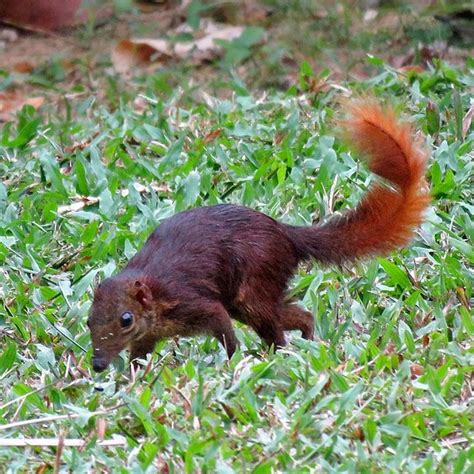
[13, 101]
[129, 53]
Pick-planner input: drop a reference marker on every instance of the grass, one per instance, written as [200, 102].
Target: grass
[387, 385]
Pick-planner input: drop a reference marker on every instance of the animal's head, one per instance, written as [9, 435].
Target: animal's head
[123, 311]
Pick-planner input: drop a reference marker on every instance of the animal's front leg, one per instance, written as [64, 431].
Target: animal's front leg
[210, 317]
[223, 330]
[139, 349]
[295, 317]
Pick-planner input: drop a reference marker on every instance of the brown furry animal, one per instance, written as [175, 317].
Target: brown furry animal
[202, 267]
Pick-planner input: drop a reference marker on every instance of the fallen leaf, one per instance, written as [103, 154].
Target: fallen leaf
[140, 188]
[316, 84]
[80, 145]
[358, 433]
[23, 67]
[140, 104]
[100, 427]
[255, 13]
[370, 14]
[412, 68]
[212, 135]
[66, 170]
[42, 468]
[390, 348]
[467, 120]
[133, 52]
[279, 136]
[461, 293]
[359, 328]
[78, 205]
[146, 6]
[416, 370]
[248, 11]
[12, 102]
[424, 56]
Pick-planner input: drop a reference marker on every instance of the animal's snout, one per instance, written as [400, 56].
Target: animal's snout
[99, 364]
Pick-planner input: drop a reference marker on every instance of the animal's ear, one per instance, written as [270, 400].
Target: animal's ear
[167, 305]
[142, 294]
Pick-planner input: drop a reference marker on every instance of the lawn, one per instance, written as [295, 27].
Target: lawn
[387, 384]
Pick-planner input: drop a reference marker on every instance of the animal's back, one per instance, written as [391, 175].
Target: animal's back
[218, 247]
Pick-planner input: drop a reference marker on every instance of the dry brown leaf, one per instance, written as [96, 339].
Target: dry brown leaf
[12, 102]
[390, 348]
[147, 6]
[460, 291]
[140, 104]
[42, 468]
[23, 67]
[249, 12]
[212, 135]
[59, 452]
[424, 56]
[78, 205]
[467, 120]
[101, 426]
[316, 84]
[370, 15]
[416, 370]
[279, 137]
[140, 188]
[80, 145]
[126, 55]
[255, 13]
[133, 52]
[412, 68]
[358, 433]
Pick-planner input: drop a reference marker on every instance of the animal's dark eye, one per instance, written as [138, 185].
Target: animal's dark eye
[126, 319]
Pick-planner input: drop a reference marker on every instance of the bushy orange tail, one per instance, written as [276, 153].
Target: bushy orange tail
[386, 217]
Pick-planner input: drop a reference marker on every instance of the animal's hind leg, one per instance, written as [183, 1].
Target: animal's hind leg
[295, 317]
[271, 331]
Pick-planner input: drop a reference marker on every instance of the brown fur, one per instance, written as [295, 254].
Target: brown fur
[203, 267]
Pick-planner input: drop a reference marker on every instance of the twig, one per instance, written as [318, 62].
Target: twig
[332, 193]
[59, 452]
[26, 395]
[48, 419]
[47, 442]
[449, 442]
[18, 409]
[367, 365]
[184, 397]
[338, 87]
